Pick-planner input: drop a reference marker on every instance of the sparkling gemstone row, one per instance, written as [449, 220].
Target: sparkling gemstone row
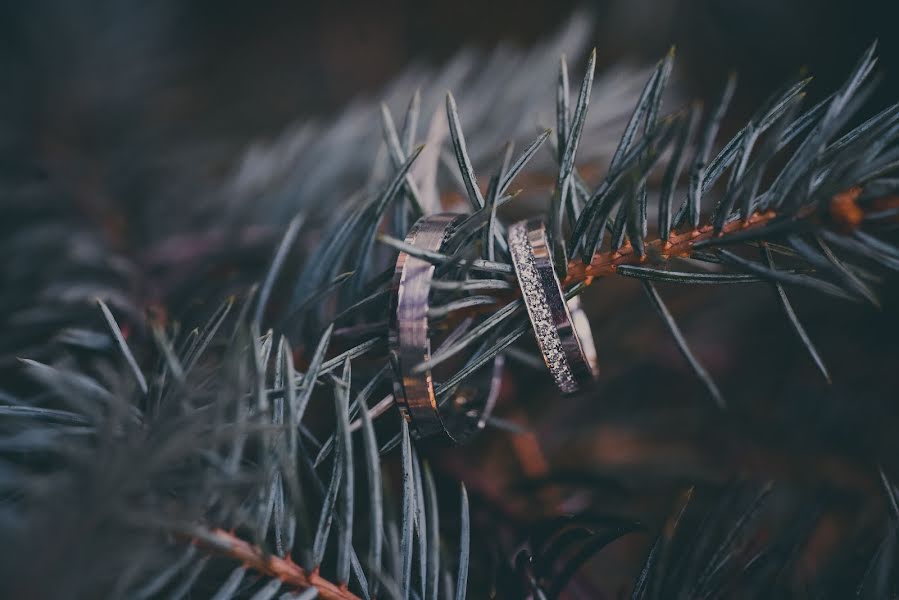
[535, 299]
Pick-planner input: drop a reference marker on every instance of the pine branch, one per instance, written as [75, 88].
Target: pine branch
[225, 428]
[845, 216]
[678, 246]
[253, 557]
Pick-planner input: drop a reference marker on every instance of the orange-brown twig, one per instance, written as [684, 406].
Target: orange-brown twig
[227, 544]
[844, 214]
[679, 245]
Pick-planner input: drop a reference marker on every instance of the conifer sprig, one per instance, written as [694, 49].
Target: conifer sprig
[224, 445]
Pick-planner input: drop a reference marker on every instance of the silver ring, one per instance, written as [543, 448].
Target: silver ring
[562, 329]
[410, 344]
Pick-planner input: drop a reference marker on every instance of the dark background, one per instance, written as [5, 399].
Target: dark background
[226, 71]
[96, 93]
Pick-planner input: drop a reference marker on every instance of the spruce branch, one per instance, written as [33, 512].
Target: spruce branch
[844, 217]
[253, 557]
[264, 429]
[677, 246]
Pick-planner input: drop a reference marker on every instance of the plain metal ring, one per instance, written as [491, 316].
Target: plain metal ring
[410, 343]
[562, 329]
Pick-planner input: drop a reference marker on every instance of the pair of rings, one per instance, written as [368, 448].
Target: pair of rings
[561, 328]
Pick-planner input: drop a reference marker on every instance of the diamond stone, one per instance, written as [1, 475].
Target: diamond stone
[534, 295]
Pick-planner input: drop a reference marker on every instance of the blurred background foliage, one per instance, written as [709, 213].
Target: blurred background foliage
[122, 104]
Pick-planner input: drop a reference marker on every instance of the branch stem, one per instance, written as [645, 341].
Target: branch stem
[679, 245]
[253, 557]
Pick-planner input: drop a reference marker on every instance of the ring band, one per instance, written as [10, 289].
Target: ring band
[562, 329]
[410, 343]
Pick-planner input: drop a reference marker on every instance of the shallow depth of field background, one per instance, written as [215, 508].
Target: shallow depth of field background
[120, 99]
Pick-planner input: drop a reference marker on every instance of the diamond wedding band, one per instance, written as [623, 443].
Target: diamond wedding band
[562, 330]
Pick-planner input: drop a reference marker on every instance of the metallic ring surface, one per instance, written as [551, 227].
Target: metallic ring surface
[410, 342]
[562, 330]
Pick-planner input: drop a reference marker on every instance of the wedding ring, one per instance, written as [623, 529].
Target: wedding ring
[562, 329]
[410, 345]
